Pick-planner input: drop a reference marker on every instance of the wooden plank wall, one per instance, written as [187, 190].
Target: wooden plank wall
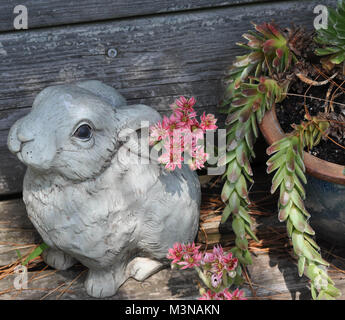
[165, 49]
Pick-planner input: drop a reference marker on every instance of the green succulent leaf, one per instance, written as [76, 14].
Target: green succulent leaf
[333, 37]
[301, 265]
[313, 291]
[327, 51]
[238, 227]
[288, 178]
[241, 243]
[245, 215]
[338, 57]
[250, 232]
[226, 213]
[226, 192]
[284, 212]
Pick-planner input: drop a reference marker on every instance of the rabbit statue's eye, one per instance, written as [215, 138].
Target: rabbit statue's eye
[84, 132]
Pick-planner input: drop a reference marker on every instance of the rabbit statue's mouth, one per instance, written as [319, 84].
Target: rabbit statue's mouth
[24, 157]
[20, 157]
[16, 146]
[32, 152]
[25, 152]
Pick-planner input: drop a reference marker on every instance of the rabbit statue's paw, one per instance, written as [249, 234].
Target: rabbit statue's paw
[103, 283]
[58, 259]
[142, 268]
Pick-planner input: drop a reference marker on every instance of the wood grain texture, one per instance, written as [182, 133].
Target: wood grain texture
[164, 285]
[273, 275]
[16, 231]
[159, 58]
[47, 13]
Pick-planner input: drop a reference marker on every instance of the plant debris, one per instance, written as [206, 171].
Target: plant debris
[324, 99]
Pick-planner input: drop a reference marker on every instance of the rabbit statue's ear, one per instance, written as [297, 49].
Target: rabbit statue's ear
[44, 95]
[133, 130]
[135, 117]
[103, 91]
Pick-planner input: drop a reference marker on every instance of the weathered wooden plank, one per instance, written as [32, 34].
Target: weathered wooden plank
[43, 13]
[16, 231]
[275, 277]
[165, 285]
[272, 277]
[11, 170]
[159, 58]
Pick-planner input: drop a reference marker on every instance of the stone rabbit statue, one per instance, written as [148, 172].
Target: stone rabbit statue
[85, 197]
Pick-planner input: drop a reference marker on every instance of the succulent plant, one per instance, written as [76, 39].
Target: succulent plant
[256, 82]
[247, 108]
[287, 161]
[333, 37]
[269, 52]
[248, 97]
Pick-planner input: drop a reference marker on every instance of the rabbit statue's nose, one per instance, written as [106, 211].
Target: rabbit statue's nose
[24, 135]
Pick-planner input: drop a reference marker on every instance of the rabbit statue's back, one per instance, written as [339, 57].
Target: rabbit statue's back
[92, 195]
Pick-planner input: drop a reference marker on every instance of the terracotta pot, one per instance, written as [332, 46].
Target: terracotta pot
[325, 188]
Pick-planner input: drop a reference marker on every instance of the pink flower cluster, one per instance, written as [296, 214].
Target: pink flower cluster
[217, 262]
[180, 133]
[217, 266]
[220, 264]
[185, 255]
[223, 295]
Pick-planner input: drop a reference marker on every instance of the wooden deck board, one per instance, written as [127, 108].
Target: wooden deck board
[47, 13]
[273, 275]
[271, 278]
[159, 58]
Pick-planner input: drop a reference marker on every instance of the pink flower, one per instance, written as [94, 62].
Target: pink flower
[187, 256]
[216, 279]
[174, 142]
[189, 141]
[184, 119]
[208, 122]
[173, 149]
[218, 251]
[170, 123]
[185, 105]
[227, 295]
[223, 295]
[220, 263]
[176, 253]
[171, 160]
[191, 248]
[196, 130]
[190, 260]
[208, 258]
[157, 133]
[229, 262]
[208, 295]
[198, 158]
[238, 295]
